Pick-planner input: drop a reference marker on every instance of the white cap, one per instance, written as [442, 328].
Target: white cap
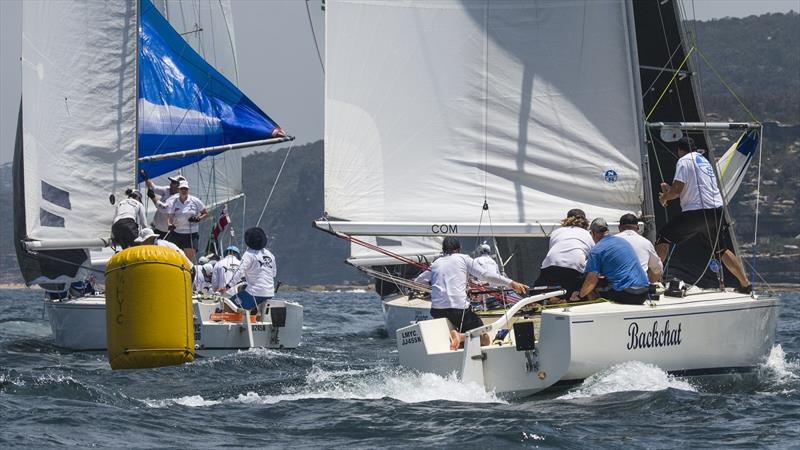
[183, 184]
[208, 267]
[176, 178]
[202, 260]
[144, 234]
[484, 248]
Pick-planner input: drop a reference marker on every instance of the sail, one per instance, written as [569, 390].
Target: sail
[78, 110]
[184, 102]
[732, 165]
[208, 28]
[430, 106]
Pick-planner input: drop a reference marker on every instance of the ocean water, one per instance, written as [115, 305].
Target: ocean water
[343, 388]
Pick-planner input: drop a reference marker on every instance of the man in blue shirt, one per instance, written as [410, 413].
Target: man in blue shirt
[615, 259]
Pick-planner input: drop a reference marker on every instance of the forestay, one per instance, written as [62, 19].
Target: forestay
[431, 104]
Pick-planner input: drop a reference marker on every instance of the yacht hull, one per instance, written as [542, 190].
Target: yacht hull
[707, 333]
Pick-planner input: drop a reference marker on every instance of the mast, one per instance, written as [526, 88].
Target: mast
[138, 9]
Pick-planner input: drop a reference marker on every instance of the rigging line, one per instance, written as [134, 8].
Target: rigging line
[662, 71]
[278, 177]
[680, 45]
[730, 90]
[314, 35]
[485, 99]
[699, 96]
[230, 40]
[761, 277]
[758, 195]
[666, 88]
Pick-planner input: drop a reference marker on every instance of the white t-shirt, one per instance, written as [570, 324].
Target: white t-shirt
[223, 273]
[130, 208]
[700, 190]
[199, 283]
[167, 244]
[645, 252]
[182, 211]
[160, 218]
[448, 278]
[487, 264]
[259, 270]
[569, 247]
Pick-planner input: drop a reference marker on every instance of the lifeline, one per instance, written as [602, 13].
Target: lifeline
[654, 338]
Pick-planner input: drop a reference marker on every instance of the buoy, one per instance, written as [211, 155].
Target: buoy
[149, 308]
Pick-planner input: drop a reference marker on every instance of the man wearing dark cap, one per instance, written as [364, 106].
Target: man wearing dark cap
[259, 269]
[702, 211]
[569, 247]
[613, 258]
[645, 252]
[448, 279]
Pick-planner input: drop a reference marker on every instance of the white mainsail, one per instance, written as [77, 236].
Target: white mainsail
[78, 115]
[432, 104]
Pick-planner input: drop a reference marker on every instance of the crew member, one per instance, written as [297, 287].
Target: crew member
[702, 211]
[485, 260]
[160, 224]
[202, 278]
[148, 237]
[185, 211]
[566, 259]
[223, 271]
[448, 278]
[128, 218]
[259, 269]
[645, 252]
[613, 258]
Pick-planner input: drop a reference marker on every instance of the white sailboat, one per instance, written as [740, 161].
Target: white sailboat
[109, 90]
[493, 118]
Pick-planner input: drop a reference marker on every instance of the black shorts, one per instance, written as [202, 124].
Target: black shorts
[462, 319]
[184, 240]
[124, 231]
[703, 222]
[635, 296]
[568, 279]
[159, 233]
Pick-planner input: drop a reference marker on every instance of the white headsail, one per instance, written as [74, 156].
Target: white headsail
[430, 105]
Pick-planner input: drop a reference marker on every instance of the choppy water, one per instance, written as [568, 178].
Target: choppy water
[343, 389]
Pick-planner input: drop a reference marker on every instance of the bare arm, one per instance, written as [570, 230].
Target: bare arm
[589, 283]
[670, 192]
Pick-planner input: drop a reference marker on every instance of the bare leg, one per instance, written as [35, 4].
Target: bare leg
[730, 261]
[189, 254]
[455, 339]
[661, 250]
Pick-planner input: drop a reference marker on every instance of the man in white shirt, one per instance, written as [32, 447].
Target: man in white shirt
[485, 260]
[259, 269]
[202, 278]
[185, 211]
[448, 279]
[223, 271]
[645, 252]
[160, 223]
[702, 211]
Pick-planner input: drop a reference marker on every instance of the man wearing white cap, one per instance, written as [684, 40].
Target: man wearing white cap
[202, 278]
[148, 237]
[164, 192]
[184, 212]
[223, 271]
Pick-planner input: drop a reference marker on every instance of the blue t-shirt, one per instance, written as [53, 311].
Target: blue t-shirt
[614, 258]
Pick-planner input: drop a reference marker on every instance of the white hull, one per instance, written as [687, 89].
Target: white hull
[400, 311]
[80, 324]
[711, 332]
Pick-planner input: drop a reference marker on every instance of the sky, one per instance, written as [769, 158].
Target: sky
[278, 65]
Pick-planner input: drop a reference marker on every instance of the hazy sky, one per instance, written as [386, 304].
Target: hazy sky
[278, 66]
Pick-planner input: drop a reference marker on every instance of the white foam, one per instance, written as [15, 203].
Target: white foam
[777, 368]
[628, 376]
[356, 385]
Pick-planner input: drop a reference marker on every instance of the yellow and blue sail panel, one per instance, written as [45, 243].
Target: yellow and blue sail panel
[732, 166]
[184, 103]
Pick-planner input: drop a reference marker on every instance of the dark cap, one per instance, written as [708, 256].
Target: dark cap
[628, 219]
[686, 144]
[450, 244]
[599, 225]
[575, 212]
[255, 238]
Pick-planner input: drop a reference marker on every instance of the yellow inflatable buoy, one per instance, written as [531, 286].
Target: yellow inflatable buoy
[149, 308]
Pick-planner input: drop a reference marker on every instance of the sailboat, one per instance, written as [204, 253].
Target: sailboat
[476, 118]
[112, 91]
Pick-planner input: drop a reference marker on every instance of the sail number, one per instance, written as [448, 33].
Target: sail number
[444, 229]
